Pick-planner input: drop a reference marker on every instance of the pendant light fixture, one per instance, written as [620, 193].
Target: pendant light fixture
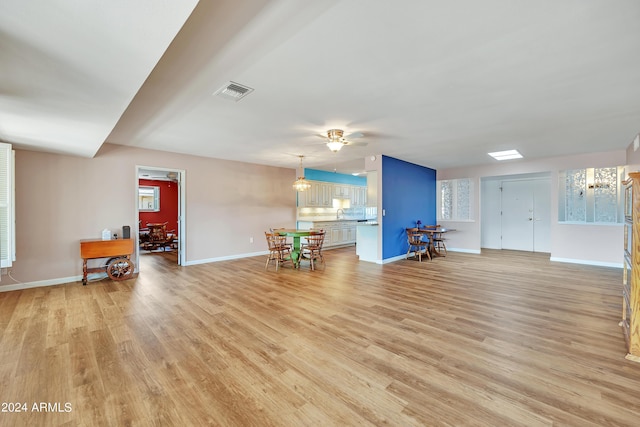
[301, 183]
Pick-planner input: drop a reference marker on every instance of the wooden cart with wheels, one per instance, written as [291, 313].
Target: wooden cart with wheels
[118, 252]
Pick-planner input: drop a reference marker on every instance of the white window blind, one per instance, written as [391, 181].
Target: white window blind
[7, 223]
[455, 199]
[590, 195]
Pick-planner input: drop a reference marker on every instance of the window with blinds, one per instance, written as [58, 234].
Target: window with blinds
[7, 223]
[591, 195]
[455, 199]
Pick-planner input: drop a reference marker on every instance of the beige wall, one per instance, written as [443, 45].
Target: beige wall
[62, 199]
[597, 244]
[633, 158]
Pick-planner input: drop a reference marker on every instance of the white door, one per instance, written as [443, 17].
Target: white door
[526, 214]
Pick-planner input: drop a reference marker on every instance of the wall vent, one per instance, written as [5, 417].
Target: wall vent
[234, 91]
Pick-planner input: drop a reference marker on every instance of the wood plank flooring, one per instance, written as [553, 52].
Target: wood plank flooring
[499, 339]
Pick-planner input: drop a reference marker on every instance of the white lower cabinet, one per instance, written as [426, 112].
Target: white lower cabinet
[337, 233]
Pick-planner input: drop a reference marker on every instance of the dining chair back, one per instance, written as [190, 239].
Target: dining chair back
[285, 241]
[311, 250]
[417, 244]
[158, 236]
[279, 250]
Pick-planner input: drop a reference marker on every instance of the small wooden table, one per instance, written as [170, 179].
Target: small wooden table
[118, 266]
[433, 234]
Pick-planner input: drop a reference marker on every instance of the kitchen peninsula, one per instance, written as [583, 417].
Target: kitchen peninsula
[367, 241]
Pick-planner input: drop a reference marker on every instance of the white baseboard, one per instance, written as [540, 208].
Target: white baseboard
[466, 251]
[39, 283]
[588, 262]
[225, 258]
[394, 259]
[71, 279]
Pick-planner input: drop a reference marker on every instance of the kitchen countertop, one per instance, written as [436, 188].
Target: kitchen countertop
[328, 219]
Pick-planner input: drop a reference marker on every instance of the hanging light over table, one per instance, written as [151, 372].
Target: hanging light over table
[301, 184]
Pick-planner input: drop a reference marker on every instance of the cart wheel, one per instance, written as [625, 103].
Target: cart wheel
[120, 268]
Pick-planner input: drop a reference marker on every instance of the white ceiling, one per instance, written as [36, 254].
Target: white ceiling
[435, 83]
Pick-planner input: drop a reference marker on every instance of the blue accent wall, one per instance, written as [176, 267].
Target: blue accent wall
[408, 195]
[339, 178]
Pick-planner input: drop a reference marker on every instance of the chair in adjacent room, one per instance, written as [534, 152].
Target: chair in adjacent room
[279, 251]
[417, 244]
[159, 237]
[311, 250]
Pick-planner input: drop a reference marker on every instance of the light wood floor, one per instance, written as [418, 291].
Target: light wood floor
[498, 339]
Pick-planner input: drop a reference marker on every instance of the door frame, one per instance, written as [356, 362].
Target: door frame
[182, 236]
[534, 184]
[491, 205]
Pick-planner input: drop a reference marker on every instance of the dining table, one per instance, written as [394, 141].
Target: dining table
[295, 235]
[433, 234]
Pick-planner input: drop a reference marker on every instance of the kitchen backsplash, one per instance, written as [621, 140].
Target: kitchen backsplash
[331, 213]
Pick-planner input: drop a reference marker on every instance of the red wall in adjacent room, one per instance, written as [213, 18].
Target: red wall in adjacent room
[168, 204]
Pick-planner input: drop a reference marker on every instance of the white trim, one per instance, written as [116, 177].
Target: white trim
[466, 251]
[392, 259]
[225, 258]
[41, 283]
[182, 202]
[377, 261]
[587, 262]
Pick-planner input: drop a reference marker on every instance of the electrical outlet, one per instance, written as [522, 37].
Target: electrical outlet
[250, 239]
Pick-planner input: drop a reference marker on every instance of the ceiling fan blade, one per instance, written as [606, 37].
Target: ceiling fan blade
[354, 135]
[356, 144]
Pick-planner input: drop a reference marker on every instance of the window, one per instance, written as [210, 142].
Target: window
[590, 195]
[7, 212]
[455, 199]
[149, 199]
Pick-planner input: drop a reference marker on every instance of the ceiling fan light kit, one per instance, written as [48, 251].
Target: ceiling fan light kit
[335, 146]
[337, 140]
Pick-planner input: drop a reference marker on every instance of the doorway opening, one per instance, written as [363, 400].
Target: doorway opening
[160, 204]
[516, 212]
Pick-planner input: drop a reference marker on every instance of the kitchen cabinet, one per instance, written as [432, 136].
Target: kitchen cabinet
[358, 197]
[341, 191]
[319, 195]
[337, 233]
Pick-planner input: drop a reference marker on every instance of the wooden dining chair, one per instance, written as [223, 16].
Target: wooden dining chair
[159, 236]
[279, 251]
[285, 241]
[438, 240]
[311, 250]
[417, 244]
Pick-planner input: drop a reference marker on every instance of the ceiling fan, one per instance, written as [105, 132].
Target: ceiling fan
[336, 139]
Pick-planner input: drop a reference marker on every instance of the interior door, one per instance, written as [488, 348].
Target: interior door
[526, 215]
[517, 215]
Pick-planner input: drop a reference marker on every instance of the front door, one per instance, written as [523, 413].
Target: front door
[526, 215]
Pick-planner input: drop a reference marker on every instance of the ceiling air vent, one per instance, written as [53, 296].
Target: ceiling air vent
[234, 91]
